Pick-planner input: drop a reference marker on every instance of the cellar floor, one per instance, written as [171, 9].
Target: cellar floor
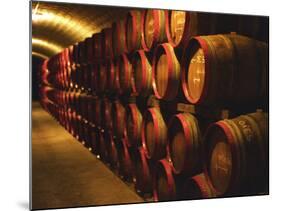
[66, 174]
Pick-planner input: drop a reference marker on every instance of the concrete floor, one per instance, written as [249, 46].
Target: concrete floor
[66, 174]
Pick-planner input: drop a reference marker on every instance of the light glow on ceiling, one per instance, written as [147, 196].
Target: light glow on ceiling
[39, 55]
[46, 45]
[74, 26]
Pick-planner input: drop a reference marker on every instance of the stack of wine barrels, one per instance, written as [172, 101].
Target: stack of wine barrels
[118, 92]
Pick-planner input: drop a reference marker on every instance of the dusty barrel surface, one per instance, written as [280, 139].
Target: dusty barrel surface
[237, 154]
[164, 186]
[165, 72]
[197, 187]
[133, 30]
[154, 134]
[153, 28]
[119, 37]
[225, 69]
[142, 73]
[118, 119]
[143, 173]
[124, 69]
[133, 125]
[185, 144]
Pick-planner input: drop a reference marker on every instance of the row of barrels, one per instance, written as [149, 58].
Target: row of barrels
[226, 70]
[173, 159]
[146, 28]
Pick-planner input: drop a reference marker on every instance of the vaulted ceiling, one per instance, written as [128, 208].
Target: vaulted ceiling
[57, 25]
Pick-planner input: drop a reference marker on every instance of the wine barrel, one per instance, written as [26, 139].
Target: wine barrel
[124, 71]
[197, 187]
[119, 38]
[77, 102]
[94, 140]
[87, 134]
[112, 152]
[97, 47]
[79, 128]
[71, 100]
[83, 105]
[182, 25]
[153, 28]
[106, 35]
[177, 27]
[103, 146]
[126, 163]
[224, 69]
[94, 78]
[143, 174]
[75, 55]
[165, 72]
[164, 186]
[106, 114]
[237, 154]
[133, 125]
[97, 112]
[185, 145]
[87, 77]
[78, 77]
[133, 30]
[89, 50]
[81, 52]
[110, 76]
[70, 55]
[101, 73]
[142, 73]
[118, 119]
[154, 134]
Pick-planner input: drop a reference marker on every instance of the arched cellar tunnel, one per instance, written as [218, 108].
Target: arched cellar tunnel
[135, 105]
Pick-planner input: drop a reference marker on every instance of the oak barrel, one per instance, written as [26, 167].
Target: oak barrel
[154, 134]
[133, 125]
[119, 38]
[185, 144]
[197, 187]
[225, 69]
[143, 172]
[237, 154]
[97, 47]
[142, 73]
[118, 119]
[164, 186]
[165, 72]
[124, 71]
[153, 28]
[133, 30]
[107, 43]
[126, 163]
